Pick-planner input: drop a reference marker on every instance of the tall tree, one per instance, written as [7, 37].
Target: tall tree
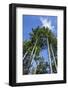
[40, 38]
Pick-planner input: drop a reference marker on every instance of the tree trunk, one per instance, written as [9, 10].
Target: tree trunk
[33, 58]
[33, 50]
[26, 53]
[53, 57]
[49, 55]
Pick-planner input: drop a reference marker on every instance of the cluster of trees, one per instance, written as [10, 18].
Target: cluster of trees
[33, 63]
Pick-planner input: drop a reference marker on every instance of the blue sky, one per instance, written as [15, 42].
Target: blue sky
[34, 21]
[31, 21]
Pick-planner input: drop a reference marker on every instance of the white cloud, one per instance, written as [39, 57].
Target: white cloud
[46, 23]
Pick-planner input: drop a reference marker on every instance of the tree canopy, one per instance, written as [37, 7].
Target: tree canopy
[32, 48]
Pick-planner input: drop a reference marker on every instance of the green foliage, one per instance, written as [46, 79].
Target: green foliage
[42, 68]
[41, 35]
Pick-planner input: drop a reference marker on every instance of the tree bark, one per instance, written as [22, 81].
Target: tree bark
[49, 55]
[26, 53]
[53, 57]
[33, 48]
[33, 58]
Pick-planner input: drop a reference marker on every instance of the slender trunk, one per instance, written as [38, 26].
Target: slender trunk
[34, 57]
[49, 55]
[34, 54]
[26, 53]
[33, 48]
[53, 57]
[31, 56]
